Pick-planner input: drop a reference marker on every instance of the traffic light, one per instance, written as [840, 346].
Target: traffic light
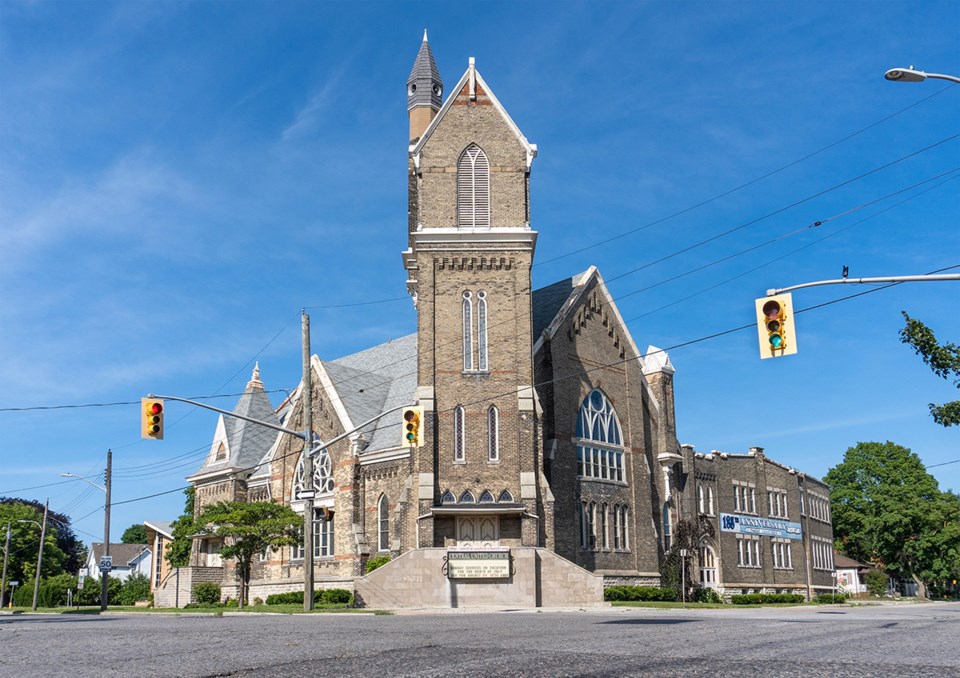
[152, 418]
[411, 426]
[777, 333]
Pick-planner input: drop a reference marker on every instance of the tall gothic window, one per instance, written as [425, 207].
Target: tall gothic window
[383, 523]
[666, 527]
[482, 331]
[467, 331]
[458, 434]
[474, 352]
[473, 189]
[599, 443]
[493, 434]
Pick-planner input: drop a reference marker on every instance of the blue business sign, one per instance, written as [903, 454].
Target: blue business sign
[765, 527]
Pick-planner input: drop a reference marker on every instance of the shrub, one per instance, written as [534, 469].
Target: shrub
[288, 598]
[876, 581]
[706, 595]
[767, 598]
[830, 598]
[377, 561]
[258, 601]
[53, 590]
[336, 597]
[135, 588]
[207, 593]
[634, 593]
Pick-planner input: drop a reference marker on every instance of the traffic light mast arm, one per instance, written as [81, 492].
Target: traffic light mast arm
[299, 434]
[888, 279]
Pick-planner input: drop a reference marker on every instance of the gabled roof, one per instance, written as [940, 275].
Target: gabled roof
[122, 554]
[162, 526]
[471, 71]
[372, 381]
[245, 442]
[554, 303]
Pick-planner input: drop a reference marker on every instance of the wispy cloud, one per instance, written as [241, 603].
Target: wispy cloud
[308, 117]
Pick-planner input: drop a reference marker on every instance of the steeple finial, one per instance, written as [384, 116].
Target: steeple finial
[255, 377]
[424, 34]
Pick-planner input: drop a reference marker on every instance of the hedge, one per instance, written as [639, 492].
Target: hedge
[207, 592]
[638, 593]
[323, 597]
[767, 598]
[830, 598]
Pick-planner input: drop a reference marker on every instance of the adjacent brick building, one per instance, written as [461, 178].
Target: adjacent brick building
[545, 431]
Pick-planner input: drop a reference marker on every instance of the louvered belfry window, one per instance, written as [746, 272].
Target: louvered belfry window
[473, 189]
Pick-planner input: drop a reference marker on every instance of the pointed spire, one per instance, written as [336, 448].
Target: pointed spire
[255, 377]
[424, 86]
[424, 34]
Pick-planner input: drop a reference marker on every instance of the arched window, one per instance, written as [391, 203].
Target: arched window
[482, 331]
[458, 434]
[708, 566]
[582, 521]
[467, 331]
[467, 497]
[625, 530]
[486, 497]
[383, 523]
[493, 434]
[599, 443]
[221, 453]
[592, 525]
[473, 189]
[666, 527]
[710, 499]
[701, 504]
[604, 537]
[616, 526]
[322, 475]
[448, 498]
[505, 497]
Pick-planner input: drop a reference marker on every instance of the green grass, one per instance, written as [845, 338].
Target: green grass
[276, 609]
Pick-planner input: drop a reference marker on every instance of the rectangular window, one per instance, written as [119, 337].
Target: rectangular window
[748, 551]
[616, 527]
[322, 535]
[603, 527]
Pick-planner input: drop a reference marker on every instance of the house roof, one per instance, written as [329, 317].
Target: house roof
[164, 527]
[841, 562]
[122, 554]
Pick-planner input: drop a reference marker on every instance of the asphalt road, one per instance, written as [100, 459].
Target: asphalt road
[901, 640]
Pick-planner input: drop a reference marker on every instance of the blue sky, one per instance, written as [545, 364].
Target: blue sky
[178, 179]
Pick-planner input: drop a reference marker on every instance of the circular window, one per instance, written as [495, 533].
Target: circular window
[411, 88]
[437, 89]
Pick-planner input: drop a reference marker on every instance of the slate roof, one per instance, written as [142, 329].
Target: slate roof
[374, 380]
[423, 75]
[547, 302]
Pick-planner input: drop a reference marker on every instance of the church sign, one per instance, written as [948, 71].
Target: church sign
[764, 527]
[478, 564]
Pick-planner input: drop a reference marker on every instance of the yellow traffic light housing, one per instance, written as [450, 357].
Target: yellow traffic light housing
[151, 415]
[411, 426]
[775, 326]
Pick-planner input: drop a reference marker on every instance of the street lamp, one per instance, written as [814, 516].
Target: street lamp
[104, 575]
[914, 75]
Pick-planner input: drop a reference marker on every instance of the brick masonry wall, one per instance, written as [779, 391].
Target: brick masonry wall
[589, 340]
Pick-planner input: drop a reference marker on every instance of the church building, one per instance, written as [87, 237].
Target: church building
[547, 464]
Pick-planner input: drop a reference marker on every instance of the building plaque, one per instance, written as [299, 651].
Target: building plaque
[478, 564]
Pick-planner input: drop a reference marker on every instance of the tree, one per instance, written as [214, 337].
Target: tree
[73, 548]
[888, 511]
[943, 360]
[675, 572]
[183, 529]
[136, 587]
[25, 542]
[248, 529]
[135, 534]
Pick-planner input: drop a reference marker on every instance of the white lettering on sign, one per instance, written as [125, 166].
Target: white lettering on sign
[478, 564]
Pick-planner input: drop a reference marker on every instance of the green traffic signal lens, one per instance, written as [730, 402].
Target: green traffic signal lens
[776, 341]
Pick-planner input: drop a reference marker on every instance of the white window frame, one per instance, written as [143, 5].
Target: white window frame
[383, 523]
[482, 357]
[467, 312]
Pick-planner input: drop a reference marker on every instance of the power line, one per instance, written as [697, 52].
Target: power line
[124, 402]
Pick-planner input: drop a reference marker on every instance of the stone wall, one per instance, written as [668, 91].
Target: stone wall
[540, 579]
[176, 589]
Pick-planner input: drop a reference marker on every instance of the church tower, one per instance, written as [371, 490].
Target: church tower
[468, 270]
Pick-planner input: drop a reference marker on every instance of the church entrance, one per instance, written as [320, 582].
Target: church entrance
[478, 531]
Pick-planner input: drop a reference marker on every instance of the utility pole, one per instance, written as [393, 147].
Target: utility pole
[43, 536]
[6, 554]
[307, 493]
[104, 576]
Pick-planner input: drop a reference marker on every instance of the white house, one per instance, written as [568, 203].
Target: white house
[127, 559]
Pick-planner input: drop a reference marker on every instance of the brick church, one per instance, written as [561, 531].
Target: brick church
[548, 463]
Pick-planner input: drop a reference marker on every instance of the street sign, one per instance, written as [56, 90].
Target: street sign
[106, 563]
[80, 580]
[15, 582]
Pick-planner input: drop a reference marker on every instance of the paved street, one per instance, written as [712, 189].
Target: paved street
[901, 640]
